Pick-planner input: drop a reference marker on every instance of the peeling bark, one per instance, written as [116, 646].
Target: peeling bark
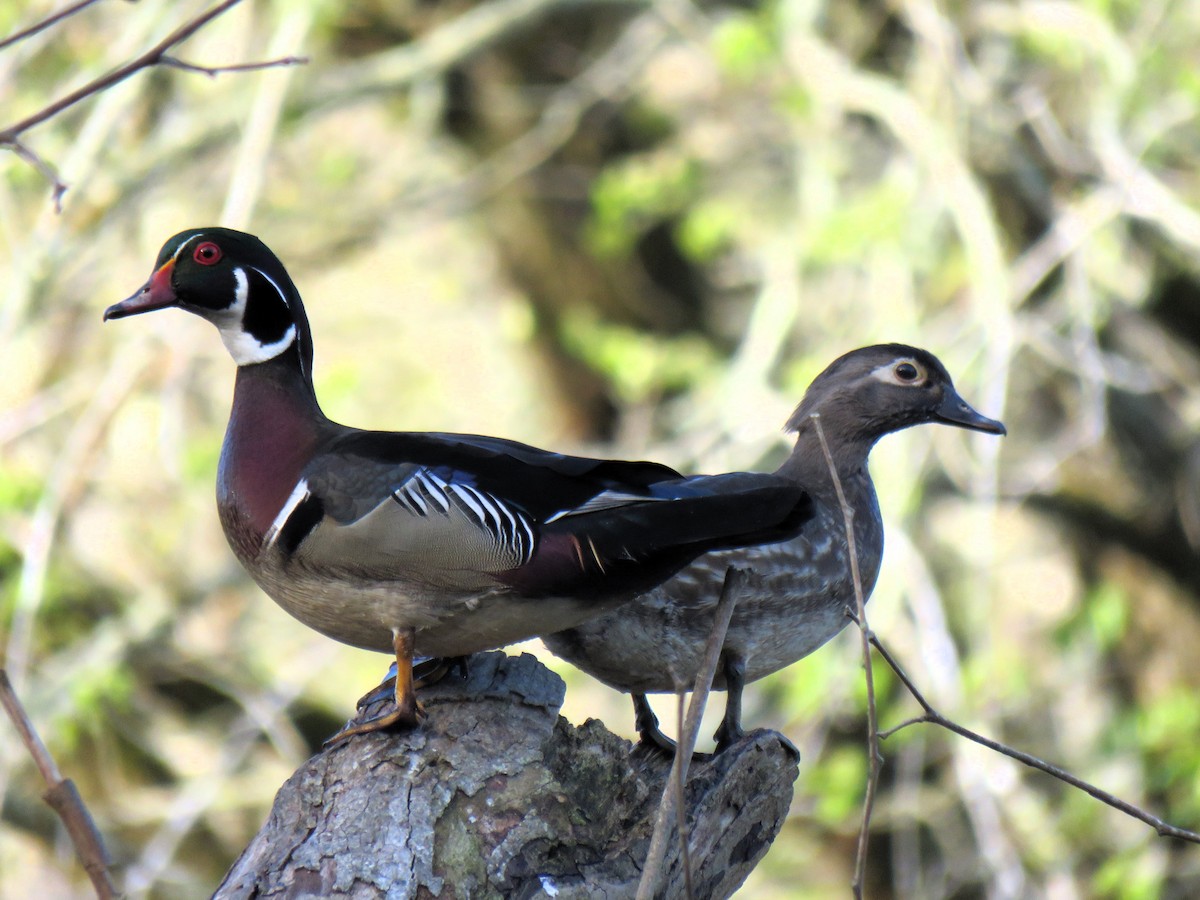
[498, 796]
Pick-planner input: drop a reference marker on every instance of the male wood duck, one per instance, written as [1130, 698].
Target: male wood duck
[433, 544]
[799, 590]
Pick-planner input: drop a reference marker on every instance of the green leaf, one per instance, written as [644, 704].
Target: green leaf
[838, 782]
[628, 197]
[1107, 611]
[638, 365]
[744, 46]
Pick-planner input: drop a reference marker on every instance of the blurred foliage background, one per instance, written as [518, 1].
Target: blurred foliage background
[634, 229]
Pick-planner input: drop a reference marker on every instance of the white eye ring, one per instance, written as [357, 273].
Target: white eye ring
[907, 372]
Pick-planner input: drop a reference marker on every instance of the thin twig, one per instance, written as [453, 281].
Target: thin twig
[875, 760]
[151, 57]
[57, 186]
[52, 19]
[735, 579]
[62, 796]
[155, 56]
[213, 71]
[681, 821]
[934, 717]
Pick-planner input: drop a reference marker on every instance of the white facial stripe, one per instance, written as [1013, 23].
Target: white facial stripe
[243, 346]
[184, 246]
[273, 283]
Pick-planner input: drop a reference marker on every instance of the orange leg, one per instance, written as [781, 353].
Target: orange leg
[407, 713]
[430, 670]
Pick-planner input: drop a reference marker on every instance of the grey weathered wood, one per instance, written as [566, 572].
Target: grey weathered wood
[499, 796]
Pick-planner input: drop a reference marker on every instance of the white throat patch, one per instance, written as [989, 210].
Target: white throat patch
[244, 347]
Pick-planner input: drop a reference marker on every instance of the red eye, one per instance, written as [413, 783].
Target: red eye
[207, 254]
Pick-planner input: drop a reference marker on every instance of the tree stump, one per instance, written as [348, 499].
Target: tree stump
[498, 796]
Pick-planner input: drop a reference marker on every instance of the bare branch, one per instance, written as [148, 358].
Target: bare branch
[151, 57]
[155, 56]
[681, 822]
[58, 188]
[915, 720]
[934, 717]
[52, 19]
[62, 796]
[29, 737]
[875, 760]
[213, 71]
[735, 580]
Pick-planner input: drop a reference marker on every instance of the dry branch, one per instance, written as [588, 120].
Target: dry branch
[860, 600]
[62, 796]
[672, 806]
[52, 19]
[933, 717]
[156, 56]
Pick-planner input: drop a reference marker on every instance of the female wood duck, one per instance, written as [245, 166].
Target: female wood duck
[431, 544]
[800, 589]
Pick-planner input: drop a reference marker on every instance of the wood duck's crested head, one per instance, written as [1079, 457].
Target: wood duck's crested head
[873, 391]
[236, 282]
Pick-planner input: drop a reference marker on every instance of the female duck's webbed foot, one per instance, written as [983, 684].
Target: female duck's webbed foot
[407, 713]
[731, 731]
[649, 734]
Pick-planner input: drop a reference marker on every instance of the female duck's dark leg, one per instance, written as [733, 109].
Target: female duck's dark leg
[649, 734]
[407, 712]
[731, 731]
